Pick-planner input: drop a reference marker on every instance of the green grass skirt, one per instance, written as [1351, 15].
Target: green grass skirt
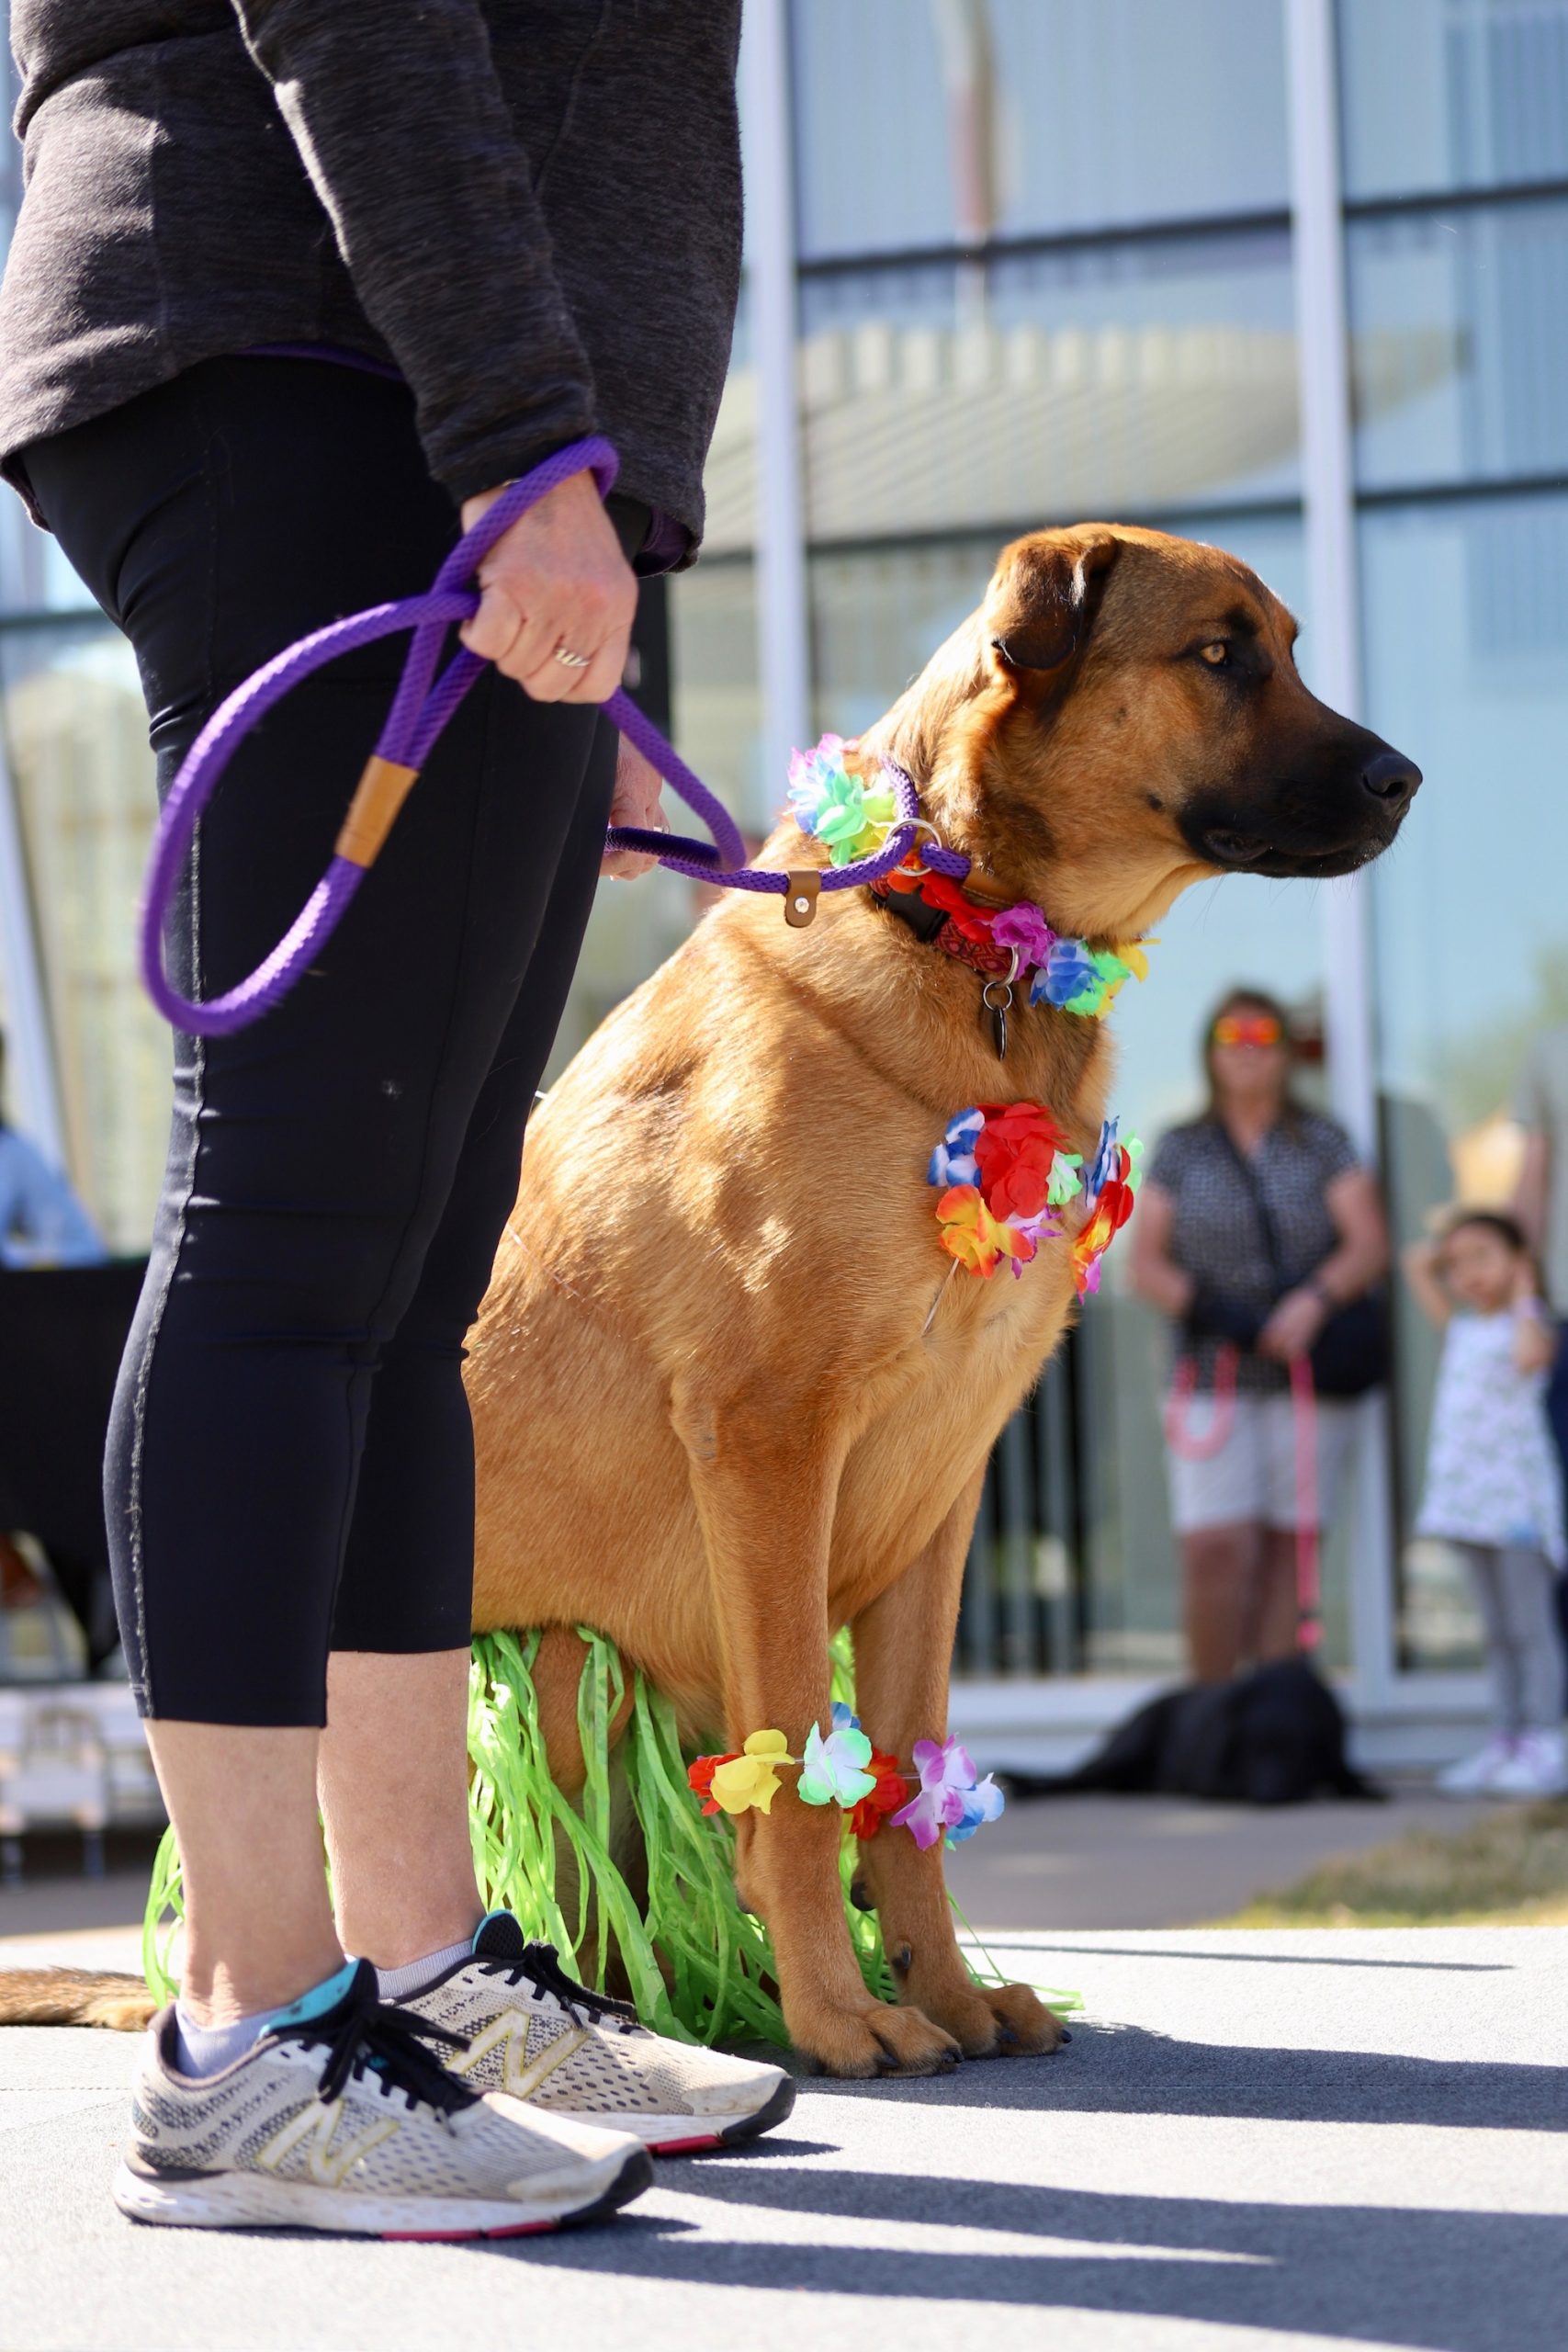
[698, 1965]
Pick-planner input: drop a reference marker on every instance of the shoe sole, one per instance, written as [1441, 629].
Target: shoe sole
[241, 2200]
[684, 2135]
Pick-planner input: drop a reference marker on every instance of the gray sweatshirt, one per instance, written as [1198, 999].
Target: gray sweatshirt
[531, 208]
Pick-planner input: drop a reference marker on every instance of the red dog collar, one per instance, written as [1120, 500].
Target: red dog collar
[946, 916]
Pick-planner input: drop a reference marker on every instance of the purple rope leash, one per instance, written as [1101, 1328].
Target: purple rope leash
[421, 708]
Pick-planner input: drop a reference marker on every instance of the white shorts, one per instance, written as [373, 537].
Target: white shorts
[1253, 1476]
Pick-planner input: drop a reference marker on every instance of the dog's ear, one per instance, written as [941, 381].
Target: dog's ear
[1043, 596]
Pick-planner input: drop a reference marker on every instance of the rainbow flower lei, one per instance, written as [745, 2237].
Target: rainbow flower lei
[843, 1768]
[1006, 1176]
[852, 819]
[848, 816]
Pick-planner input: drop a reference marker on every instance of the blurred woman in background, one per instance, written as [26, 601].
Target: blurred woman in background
[41, 1221]
[1256, 1230]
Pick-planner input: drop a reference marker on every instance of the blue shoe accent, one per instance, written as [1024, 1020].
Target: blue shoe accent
[317, 2001]
[499, 1937]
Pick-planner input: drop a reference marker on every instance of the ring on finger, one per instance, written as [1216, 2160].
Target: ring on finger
[569, 661]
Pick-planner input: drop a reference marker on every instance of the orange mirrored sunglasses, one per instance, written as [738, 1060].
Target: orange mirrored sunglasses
[1247, 1029]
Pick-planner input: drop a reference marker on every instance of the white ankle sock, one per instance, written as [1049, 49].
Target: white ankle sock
[207, 2049]
[398, 1984]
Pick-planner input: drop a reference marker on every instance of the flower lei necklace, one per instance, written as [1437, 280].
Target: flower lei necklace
[1006, 1177]
[853, 818]
[843, 1768]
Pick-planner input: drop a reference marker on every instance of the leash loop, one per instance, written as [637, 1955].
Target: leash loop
[1194, 1445]
[426, 699]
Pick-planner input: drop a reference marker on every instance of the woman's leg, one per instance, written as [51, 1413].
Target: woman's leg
[1219, 1568]
[1274, 1628]
[393, 1775]
[258, 1925]
[393, 1781]
[1217, 1504]
[314, 1156]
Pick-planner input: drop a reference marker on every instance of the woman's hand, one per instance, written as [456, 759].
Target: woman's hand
[1293, 1326]
[637, 786]
[556, 581]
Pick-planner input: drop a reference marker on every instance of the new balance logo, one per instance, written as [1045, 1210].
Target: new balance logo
[509, 2035]
[328, 2163]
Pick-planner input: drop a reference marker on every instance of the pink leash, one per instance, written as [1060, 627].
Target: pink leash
[1202, 1446]
[1309, 1592]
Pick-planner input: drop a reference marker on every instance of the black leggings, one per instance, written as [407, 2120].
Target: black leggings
[290, 1459]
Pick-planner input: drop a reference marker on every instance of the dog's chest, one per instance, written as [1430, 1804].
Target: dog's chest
[937, 1414]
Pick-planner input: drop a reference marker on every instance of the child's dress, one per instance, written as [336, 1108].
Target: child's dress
[1491, 1471]
[1494, 1489]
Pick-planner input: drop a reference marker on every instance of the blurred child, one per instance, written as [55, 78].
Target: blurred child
[1494, 1489]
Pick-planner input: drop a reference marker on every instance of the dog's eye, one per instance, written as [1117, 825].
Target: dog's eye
[1216, 653]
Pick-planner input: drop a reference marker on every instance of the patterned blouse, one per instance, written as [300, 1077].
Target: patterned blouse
[1215, 1233]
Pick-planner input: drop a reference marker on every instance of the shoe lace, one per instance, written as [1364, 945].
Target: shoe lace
[540, 1964]
[366, 2036]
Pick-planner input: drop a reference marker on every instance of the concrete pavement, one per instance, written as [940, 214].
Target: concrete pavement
[1097, 1861]
[1254, 2140]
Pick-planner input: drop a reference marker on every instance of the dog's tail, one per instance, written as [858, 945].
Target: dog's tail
[74, 1996]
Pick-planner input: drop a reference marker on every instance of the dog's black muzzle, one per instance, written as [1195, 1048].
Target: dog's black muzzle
[1330, 814]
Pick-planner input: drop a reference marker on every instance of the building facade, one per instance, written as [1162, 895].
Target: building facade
[1284, 274]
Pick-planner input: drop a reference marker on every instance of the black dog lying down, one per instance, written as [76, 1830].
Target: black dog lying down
[1273, 1737]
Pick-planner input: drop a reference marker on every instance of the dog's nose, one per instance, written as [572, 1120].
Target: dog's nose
[1390, 778]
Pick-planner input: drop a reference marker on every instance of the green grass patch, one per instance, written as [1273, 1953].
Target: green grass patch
[1509, 1869]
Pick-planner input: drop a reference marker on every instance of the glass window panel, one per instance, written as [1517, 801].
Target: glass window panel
[76, 741]
[729, 476]
[1128, 381]
[1460, 336]
[1452, 94]
[717, 723]
[1467, 666]
[34, 574]
[717, 697]
[928, 123]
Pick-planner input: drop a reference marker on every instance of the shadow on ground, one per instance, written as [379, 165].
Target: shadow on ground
[1441, 2280]
[1423, 2279]
[1128, 2070]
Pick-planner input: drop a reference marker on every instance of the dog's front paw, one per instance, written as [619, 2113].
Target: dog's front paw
[859, 2045]
[993, 2020]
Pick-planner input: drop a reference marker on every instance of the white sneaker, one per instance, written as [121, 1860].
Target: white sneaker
[532, 2031]
[1538, 1766]
[1475, 1776]
[345, 2122]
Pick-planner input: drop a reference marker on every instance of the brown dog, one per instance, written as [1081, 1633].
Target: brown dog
[725, 1398]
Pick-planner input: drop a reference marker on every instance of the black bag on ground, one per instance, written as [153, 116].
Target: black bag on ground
[1275, 1736]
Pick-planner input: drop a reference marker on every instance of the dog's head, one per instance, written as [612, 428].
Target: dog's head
[1124, 717]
